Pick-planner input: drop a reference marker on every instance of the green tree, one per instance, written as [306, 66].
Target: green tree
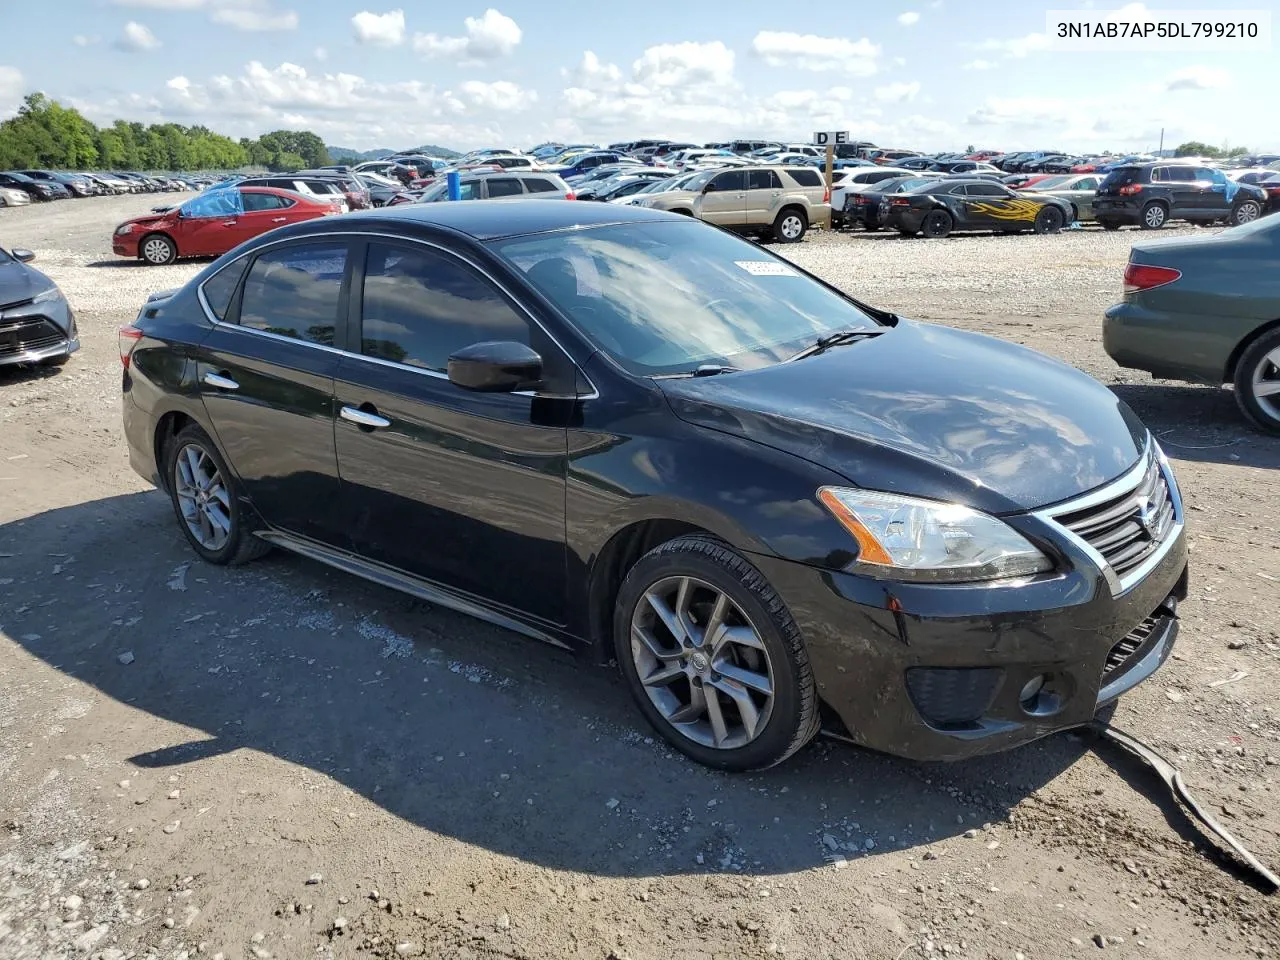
[287, 162]
[1194, 148]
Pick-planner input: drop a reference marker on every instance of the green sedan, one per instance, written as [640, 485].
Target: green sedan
[1078, 189]
[1207, 310]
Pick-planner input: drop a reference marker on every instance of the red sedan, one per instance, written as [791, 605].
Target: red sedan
[213, 223]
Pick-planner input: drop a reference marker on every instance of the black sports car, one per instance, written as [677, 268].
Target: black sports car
[939, 208]
[36, 324]
[638, 436]
[864, 205]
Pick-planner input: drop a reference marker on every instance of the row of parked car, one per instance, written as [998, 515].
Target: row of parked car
[18, 187]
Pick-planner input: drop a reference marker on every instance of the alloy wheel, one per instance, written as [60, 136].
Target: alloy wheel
[791, 226]
[1154, 217]
[702, 663]
[203, 497]
[1246, 212]
[1266, 383]
[156, 250]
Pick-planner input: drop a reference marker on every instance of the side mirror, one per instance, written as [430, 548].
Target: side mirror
[23, 255]
[496, 366]
[710, 187]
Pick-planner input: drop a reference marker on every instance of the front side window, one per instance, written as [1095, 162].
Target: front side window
[296, 292]
[420, 306]
[733, 180]
[216, 203]
[663, 298]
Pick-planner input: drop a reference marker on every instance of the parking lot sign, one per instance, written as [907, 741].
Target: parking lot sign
[830, 138]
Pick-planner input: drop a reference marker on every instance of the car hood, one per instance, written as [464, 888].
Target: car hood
[933, 412]
[149, 218]
[19, 282]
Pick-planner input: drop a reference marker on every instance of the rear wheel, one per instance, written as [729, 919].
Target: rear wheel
[937, 224]
[1153, 216]
[1246, 212]
[1048, 220]
[713, 658]
[158, 250]
[206, 501]
[790, 226]
[1257, 382]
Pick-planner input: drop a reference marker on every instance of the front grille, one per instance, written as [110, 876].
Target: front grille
[1129, 527]
[1131, 643]
[28, 334]
[952, 697]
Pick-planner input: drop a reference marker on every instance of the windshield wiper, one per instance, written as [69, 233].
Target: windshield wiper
[822, 344]
[702, 370]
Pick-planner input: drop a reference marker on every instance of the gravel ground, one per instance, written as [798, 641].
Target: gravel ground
[282, 761]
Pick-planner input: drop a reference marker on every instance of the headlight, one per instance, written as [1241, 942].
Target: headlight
[44, 296]
[123, 229]
[905, 538]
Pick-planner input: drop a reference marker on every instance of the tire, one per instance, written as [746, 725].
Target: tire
[1258, 365]
[1245, 212]
[710, 570]
[1048, 220]
[937, 224]
[157, 250]
[1110, 224]
[683, 213]
[198, 453]
[1153, 216]
[790, 226]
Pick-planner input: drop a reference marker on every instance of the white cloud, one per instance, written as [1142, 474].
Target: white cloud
[248, 15]
[809, 52]
[11, 89]
[320, 53]
[1016, 47]
[501, 95]
[909, 18]
[897, 92]
[379, 29]
[979, 65]
[81, 40]
[488, 37]
[1197, 78]
[136, 38]
[682, 65]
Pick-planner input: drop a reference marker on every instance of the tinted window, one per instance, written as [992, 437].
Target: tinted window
[504, 187]
[296, 292]
[984, 190]
[1123, 176]
[263, 201]
[806, 178]
[421, 306]
[1182, 174]
[763, 180]
[731, 180]
[536, 185]
[221, 287]
[1214, 176]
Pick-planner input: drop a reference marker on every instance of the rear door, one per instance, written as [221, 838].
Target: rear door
[724, 201]
[461, 488]
[764, 191]
[265, 211]
[265, 374]
[991, 205]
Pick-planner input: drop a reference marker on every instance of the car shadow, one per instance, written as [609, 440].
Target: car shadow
[135, 262]
[11, 374]
[1200, 423]
[458, 727]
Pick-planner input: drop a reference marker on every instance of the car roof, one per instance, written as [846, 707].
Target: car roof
[493, 220]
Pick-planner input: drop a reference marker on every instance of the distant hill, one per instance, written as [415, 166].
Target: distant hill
[347, 155]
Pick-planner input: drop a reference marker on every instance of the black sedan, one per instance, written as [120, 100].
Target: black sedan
[37, 189]
[641, 437]
[939, 208]
[36, 323]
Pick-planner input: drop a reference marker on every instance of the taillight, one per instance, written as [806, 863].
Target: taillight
[858, 197]
[1129, 189]
[129, 337]
[571, 195]
[899, 202]
[1138, 277]
[826, 195]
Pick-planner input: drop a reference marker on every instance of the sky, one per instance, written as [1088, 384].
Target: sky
[918, 74]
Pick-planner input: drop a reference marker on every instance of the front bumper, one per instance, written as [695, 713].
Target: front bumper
[34, 333]
[125, 244]
[938, 672]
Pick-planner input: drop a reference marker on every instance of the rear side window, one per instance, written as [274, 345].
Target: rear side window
[806, 178]
[421, 306]
[1122, 177]
[1182, 174]
[763, 180]
[219, 289]
[538, 185]
[296, 292]
[264, 201]
[504, 187]
[984, 190]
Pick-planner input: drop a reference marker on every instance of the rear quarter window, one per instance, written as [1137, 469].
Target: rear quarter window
[220, 289]
[805, 178]
[537, 185]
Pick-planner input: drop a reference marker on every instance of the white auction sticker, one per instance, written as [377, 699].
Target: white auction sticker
[766, 268]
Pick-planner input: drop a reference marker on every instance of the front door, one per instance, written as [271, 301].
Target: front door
[209, 224]
[460, 488]
[266, 378]
[724, 199]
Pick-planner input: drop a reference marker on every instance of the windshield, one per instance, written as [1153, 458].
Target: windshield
[663, 298]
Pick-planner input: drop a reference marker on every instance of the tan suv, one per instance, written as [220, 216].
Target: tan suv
[782, 202]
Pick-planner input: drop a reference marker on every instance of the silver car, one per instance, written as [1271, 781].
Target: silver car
[1078, 189]
[504, 184]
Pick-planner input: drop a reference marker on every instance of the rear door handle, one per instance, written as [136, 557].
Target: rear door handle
[220, 382]
[364, 418]
[279, 219]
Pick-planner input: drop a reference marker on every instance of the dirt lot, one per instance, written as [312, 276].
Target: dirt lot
[289, 762]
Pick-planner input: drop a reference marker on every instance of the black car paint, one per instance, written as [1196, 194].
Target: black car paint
[1198, 200]
[1013, 211]
[547, 495]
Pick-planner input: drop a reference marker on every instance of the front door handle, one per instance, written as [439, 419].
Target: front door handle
[279, 219]
[364, 418]
[220, 382]
[229, 223]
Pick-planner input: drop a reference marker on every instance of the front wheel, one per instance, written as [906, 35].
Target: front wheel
[1246, 212]
[206, 501]
[1257, 382]
[790, 226]
[713, 658]
[158, 250]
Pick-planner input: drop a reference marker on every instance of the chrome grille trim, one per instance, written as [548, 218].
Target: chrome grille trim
[1103, 524]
